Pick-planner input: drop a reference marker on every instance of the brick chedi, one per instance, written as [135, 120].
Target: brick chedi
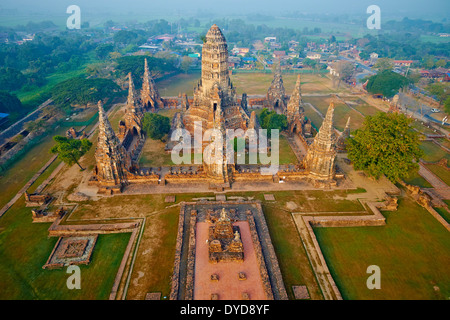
[320, 159]
[215, 91]
[225, 242]
[112, 160]
[295, 112]
[150, 98]
[276, 95]
[133, 110]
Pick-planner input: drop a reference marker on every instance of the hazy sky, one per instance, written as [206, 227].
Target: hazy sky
[411, 8]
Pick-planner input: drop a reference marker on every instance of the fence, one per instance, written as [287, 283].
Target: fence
[301, 71]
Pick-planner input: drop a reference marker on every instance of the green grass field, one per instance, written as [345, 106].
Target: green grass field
[24, 249]
[441, 172]
[444, 213]
[412, 251]
[417, 180]
[432, 152]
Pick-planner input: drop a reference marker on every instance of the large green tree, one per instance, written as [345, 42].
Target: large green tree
[155, 126]
[439, 89]
[70, 150]
[385, 145]
[271, 120]
[387, 83]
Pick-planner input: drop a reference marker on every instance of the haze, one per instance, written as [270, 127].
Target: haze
[429, 9]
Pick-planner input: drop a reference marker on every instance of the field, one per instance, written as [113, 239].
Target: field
[412, 251]
[441, 172]
[258, 83]
[250, 83]
[341, 112]
[432, 152]
[24, 249]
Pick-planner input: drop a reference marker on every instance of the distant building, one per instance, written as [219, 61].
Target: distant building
[270, 39]
[279, 54]
[240, 51]
[373, 57]
[403, 63]
[313, 56]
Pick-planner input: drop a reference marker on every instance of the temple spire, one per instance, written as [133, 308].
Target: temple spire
[111, 158]
[149, 94]
[322, 152]
[131, 102]
[296, 99]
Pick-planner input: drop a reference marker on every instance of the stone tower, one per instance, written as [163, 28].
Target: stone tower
[150, 97]
[215, 91]
[276, 95]
[133, 111]
[341, 145]
[295, 112]
[321, 154]
[112, 161]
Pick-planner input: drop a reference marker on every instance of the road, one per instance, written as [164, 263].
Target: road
[17, 127]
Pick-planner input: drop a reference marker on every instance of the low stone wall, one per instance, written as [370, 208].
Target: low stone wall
[58, 230]
[268, 263]
[377, 219]
[177, 263]
[190, 276]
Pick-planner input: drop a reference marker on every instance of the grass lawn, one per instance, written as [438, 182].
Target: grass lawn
[412, 251]
[441, 172]
[432, 152]
[24, 249]
[417, 180]
[444, 213]
[291, 254]
[259, 83]
[341, 112]
[153, 154]
[23, 169]
[180, 83]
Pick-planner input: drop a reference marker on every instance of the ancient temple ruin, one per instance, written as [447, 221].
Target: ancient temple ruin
[150, 98]
[276, 95]
[215, 105]
[225, 240]
[320, 159]
[215, 95]
[112, 159]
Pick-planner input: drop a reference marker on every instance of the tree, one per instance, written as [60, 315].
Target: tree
[102, 51]
[272, 120]
[125, 37]
[447, 105]
[186, 63]
[384, 64]
[440, 90]
[11, 79]
[155, 125]
[70, 150]
[385, 145]
[387, 83]
[9, 103]
[345, 70]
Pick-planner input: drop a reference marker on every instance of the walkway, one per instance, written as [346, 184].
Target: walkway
[440, 187]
